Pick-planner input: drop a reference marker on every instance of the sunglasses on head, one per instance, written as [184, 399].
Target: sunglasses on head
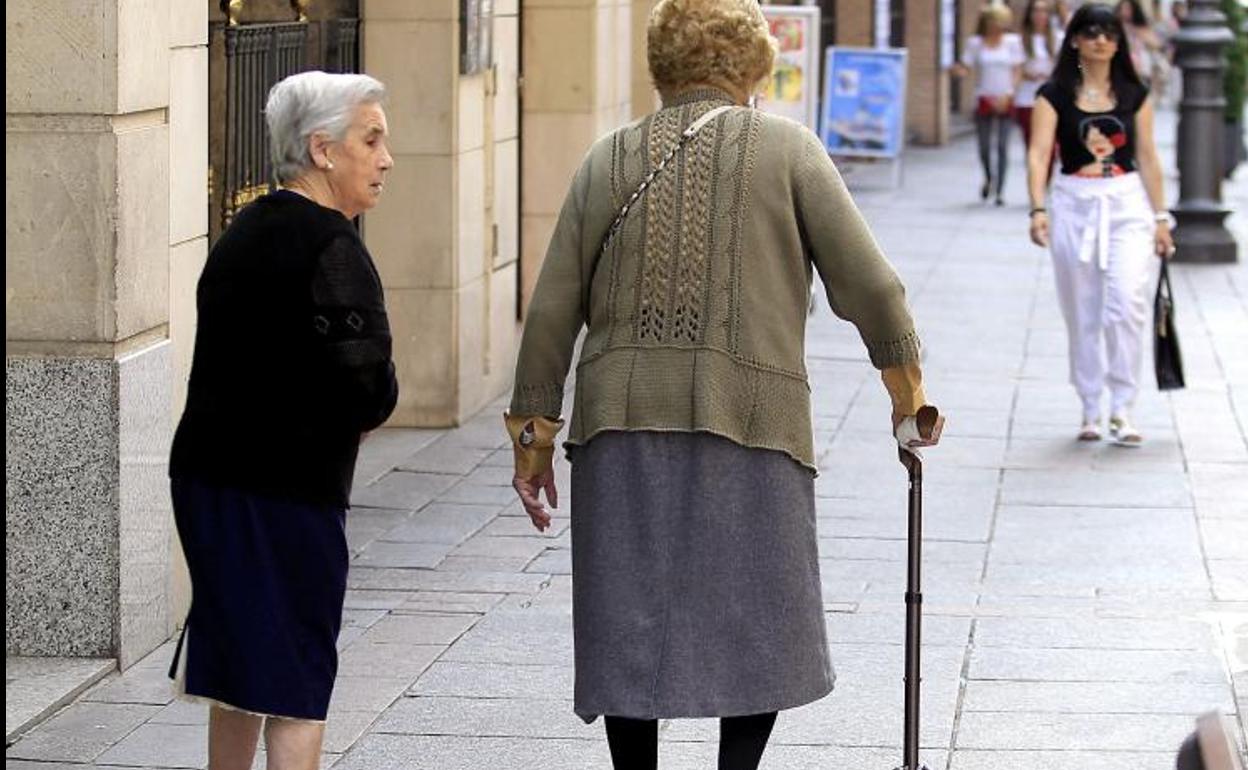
[1093, 31]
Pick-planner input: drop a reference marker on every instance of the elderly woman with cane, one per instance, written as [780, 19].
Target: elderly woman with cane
[686, 245]
[291, 365]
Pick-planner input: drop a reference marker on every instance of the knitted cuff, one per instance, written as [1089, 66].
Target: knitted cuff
[898, 352]
[544, 399]
[533, 443]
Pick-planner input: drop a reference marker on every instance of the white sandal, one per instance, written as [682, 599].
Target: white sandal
[1091, 430]
[1123, 432]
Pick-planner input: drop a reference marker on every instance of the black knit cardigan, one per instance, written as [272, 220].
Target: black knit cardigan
[292, 355]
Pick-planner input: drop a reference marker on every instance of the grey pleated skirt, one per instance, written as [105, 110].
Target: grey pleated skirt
[695, 571]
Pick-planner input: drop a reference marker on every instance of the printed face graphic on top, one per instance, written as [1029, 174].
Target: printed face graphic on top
[1103, 136]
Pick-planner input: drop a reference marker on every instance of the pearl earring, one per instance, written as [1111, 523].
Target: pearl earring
[329, 165]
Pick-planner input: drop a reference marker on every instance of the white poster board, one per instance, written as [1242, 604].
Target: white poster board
[794, 87]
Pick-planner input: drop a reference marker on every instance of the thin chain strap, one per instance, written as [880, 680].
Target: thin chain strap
[685, 136]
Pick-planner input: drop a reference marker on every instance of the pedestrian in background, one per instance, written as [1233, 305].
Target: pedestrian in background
[1141, 38]
[291, 365]
[1039, 37]
[995, 56]
[1109, 216]
[686, 245]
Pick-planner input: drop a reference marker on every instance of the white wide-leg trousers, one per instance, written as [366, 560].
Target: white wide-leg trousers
[1101, 237]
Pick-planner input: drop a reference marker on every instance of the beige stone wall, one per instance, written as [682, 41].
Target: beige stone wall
[446, 234]
[106, 143]
[579, 81]
[927, 96]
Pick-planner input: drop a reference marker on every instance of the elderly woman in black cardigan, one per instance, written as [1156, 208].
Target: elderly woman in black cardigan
[291, 365]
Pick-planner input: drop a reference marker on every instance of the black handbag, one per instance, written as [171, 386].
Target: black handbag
[1167, 360]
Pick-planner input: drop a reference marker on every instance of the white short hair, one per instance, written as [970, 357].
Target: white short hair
[311, 102]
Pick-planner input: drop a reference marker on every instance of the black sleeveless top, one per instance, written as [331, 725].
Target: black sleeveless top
[1095, 143]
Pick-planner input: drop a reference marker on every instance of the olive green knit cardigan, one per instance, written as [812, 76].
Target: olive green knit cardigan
[696, 312]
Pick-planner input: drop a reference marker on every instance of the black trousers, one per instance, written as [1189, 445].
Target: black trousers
[634, 743]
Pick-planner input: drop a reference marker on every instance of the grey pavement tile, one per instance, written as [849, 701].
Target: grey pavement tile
[1005, 605]
[1119, 634]
[484, 564]
[360, 599]
[383, 448]
[1103, 489]
[1038, 665]
[423, 629]
[35, 687]
[1095, 732]
[182, 712]
[485, 431]
[495, 680]
[527, 548]
[139, 684]
[442, 523]
[361, 618]
[344, 728]
[366, 693]
[456, 582]
[397, 660]
[402, 555]
[894, 549]
[435, 601]
[81, 732]
[410, 752]
[1097, 697]
[486, 717]
[969, 759]
[402, 490]
[1230, 578]
[436, 458]
[500, 458]
[1225, 538]
[166, 745]
[516, 526]
[824, 757]
[520, 637]
[490, 477]
[558, 562]
[865, 628]
[1106, 574]
[478, 494]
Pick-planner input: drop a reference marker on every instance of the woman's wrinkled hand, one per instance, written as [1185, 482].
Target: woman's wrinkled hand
[918, 430]
[530, 491]
[1040, 229]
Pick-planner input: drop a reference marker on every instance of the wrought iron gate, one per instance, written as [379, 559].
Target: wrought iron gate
[249, 51]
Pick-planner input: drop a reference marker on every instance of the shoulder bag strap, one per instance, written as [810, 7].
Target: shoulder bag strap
[685, 137]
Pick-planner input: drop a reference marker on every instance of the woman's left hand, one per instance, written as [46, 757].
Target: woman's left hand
[530, 497]
[1163, 241]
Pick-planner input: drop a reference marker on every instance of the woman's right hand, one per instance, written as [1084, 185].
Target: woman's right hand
[530, 491]
[1040, 229]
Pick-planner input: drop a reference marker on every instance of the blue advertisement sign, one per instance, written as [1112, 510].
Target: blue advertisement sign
[864, 102]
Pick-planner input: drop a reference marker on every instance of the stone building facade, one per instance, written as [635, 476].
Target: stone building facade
[107, 134]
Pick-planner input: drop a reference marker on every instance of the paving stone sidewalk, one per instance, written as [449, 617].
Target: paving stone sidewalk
[1085, 602]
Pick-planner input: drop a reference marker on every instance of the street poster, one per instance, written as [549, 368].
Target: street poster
[794, 87]
[864, 102]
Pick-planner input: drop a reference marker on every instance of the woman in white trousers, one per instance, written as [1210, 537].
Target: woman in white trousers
[1108, 219]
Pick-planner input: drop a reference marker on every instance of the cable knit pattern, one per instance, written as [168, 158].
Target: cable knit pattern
[696, 314]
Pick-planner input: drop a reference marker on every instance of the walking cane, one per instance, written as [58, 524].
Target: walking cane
[929, 424]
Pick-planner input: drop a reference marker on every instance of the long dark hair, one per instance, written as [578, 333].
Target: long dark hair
[1123, 78]
[1138, 17]
[1029, 30]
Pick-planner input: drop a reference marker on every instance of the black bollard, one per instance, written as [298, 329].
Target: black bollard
[1200, 234]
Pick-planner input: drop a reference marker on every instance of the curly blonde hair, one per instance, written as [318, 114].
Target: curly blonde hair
[692, 42]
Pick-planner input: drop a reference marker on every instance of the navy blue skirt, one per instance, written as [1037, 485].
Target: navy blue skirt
[268, 577]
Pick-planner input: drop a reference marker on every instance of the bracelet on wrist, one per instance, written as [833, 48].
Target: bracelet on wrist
[1038, 210]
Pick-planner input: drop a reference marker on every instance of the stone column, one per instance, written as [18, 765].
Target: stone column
[854, 24]
[578, 83]
[87, 352]
[445, 235]
[927, 97]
